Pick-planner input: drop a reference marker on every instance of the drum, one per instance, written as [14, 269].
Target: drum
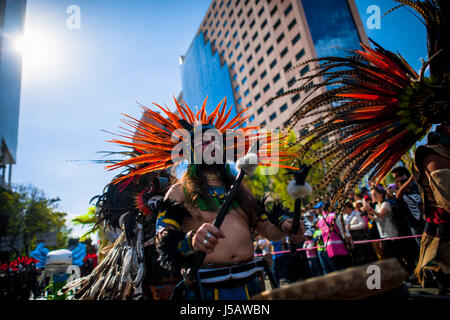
[350, 284]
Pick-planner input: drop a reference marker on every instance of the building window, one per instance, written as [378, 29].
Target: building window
[241, 68]
[270, 50]
[252, 71]
[230, 55]
[237, 45]
[249, 13]
[266, 88]
[257, 97]
[254, 36]
[233, 65]
[283, 107]
[237, 88]
[246, 46]
[219, 33]
[255, 83]
[257, 48]
[281, 37]
[263, 74]
[295, 98]
[260, 110]
[260, 61]
[300, 54]
[239, 101]
[287, 67]
[276, 78]
[217, 24]
[242, 24]
[291, 82]
[284, 52]
[239, 57]
[288, 10]
[273, 11]
[304, 70]
[212, 33]
[249, 59]
[233, 23]
[239, 13]
[244, 80]
[292, 24]
[269, 103]
[228, 44]
[260, 12]
[225, 23]
[273, 116]
[234, 35]
[244, 35]
[277, 24]
[252, 24]
[266, 37]
[221, 43]
[246, 92]
[273, 63]
[226, 34]
[246, 2]
[230, 14]
[264, 24]
[228, 4]
[262, 124]
[296, 38]
[251, 118]
[281, 91]
[235, 76]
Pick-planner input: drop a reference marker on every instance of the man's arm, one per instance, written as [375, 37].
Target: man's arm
[271, 232]
[437, 169]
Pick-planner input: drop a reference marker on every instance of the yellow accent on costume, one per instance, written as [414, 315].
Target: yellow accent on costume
[172, 222]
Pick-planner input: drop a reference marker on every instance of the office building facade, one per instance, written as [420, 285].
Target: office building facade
[259, 41]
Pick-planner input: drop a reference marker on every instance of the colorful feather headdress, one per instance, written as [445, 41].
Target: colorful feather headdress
[152, 142]
[376, 106]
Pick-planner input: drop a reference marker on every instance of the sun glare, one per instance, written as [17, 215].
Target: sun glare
[40, 52]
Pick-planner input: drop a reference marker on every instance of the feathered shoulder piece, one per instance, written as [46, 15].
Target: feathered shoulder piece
[274, 211]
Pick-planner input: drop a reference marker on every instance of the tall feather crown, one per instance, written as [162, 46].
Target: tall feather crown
[152, 143]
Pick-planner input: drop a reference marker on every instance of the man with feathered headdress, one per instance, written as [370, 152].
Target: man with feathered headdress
[179, 223]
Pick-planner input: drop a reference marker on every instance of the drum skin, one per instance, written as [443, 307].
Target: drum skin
[350, 284]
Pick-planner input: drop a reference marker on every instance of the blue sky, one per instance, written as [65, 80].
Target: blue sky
[124, 51]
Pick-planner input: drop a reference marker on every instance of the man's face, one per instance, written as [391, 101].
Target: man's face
[400, 180]
[207, 145]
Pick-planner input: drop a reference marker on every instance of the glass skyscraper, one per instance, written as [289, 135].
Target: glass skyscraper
[332, 27]
[202, 74]
[12, 17]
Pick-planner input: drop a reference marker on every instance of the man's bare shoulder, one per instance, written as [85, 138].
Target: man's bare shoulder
[175, 192]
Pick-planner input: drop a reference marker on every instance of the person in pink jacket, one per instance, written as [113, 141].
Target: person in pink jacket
[336, 239]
